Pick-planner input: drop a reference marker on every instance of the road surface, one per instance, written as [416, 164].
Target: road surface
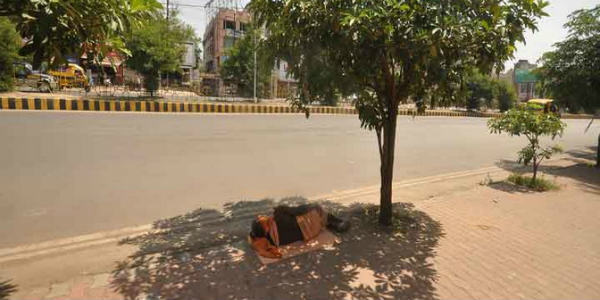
[64, 174]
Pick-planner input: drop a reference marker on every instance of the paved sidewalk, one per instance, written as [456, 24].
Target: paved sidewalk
[499, 242]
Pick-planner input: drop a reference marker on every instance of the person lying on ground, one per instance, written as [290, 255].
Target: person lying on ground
[289, 225]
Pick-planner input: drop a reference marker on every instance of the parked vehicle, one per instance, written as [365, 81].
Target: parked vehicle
[72, 76]
[27, 79]
[543, 105]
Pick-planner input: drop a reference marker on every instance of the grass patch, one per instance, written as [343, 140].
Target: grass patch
[540, 184]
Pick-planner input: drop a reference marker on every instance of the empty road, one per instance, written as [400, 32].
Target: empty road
[64, 174]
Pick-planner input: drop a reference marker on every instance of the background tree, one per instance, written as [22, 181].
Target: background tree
[55, 29]
[506, 95]
[10, 43]
[533, 125]
[238, 68]
[481, 89]
[157, 46]
[570, 73]
[392, 50]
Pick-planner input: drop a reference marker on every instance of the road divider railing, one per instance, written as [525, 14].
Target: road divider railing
[206, 107]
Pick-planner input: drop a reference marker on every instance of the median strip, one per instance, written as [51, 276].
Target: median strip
[116, 105]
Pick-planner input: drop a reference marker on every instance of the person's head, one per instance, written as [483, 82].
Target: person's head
[256, 229]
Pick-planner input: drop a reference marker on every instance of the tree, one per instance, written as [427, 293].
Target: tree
[389, 51]
[238, 68]
[506, 95]
[481, 88]
[570, 72]
[532, 125]
[157, 46]
[9, 47]
[55, 29]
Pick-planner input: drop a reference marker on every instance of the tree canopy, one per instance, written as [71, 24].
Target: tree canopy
[238, 68]
[387, 51]
[55, 29]
[158, 47]
[10, 43]
[570, 73]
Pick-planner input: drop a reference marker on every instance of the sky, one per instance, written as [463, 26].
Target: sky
[550, 28]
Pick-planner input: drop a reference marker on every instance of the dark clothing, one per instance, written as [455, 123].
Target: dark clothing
[287, 226]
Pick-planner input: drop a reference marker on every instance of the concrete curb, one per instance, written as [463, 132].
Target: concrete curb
[60, 104]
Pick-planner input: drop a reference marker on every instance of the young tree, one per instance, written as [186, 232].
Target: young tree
[238, 68]
[390, 50]
[157, 46]
[532, 125]
[9, 46]
[54, 29]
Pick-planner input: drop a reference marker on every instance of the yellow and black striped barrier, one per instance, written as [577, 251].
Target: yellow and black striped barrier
[155, 106]
[190, 107]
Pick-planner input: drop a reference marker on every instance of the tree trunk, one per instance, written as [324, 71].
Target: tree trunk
[535, 169]
[598, 153]
[387, 168]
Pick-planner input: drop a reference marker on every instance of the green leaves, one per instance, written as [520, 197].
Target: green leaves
[570, 73]
[238, 69]
[157, 47]
[9, 46]
[533, 125]
[522, 121]
[56, 29]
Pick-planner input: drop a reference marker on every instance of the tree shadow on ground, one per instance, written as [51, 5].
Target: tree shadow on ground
[508, 187]
[581, 171]
[6, 289]
[205, 255]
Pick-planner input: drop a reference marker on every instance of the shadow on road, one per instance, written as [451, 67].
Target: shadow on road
[204, 255]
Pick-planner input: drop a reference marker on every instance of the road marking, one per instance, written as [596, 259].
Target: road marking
[113, 236]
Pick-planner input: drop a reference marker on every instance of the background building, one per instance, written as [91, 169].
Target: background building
[524, 80]
[225, 27]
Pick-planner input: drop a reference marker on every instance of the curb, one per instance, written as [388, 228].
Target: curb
[61, 104]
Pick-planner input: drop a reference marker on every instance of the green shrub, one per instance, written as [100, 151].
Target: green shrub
[507, 97]
[9, 47]
[539, 184]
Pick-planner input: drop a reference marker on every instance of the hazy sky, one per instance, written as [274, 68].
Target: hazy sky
[550, 28]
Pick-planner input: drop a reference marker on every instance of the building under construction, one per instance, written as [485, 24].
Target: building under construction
[227, 23]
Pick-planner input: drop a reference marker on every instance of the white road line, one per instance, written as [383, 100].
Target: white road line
[113, 236]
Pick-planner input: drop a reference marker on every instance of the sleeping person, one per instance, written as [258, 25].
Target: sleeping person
[291, 224]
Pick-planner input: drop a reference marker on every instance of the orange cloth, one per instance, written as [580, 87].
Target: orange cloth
[262, 245]
[265, 249]
[312, 223]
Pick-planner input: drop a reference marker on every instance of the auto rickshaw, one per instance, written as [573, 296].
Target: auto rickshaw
[543, 105]
[72, 76]
[27, 79]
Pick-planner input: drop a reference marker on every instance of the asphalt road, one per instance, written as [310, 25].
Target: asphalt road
[64, 174]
